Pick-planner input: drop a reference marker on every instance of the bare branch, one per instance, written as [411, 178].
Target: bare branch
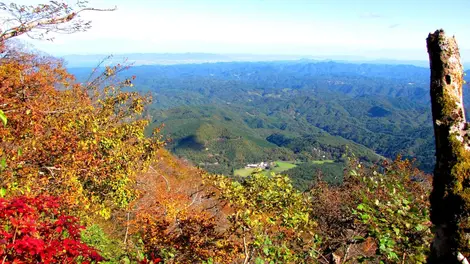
[161, 175]
[45, 18]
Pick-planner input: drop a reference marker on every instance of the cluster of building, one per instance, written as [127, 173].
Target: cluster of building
[262, 165]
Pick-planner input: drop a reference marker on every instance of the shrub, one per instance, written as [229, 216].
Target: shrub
[34, 230]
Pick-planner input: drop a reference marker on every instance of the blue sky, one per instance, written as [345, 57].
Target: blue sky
[394, 29]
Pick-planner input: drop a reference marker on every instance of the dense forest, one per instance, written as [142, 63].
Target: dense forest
[371, 108]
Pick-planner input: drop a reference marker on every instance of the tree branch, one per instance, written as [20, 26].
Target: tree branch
[46, 23]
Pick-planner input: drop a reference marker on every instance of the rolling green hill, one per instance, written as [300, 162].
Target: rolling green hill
[222, 116]
[221, 139]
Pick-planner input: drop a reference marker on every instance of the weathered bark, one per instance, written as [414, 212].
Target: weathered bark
[450, 198]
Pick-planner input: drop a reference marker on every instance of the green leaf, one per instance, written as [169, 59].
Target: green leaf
[266, 250]
[3, 117]
[3, 163]
[420, 227]
[3, 192]
[392, 255]
[365, 216]
[396, 230]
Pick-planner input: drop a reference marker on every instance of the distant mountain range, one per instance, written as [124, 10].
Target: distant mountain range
[224, 115]
[138, 59]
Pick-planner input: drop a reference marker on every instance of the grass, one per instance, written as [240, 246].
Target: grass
[280, 167]
[243, 172]
[322, 161]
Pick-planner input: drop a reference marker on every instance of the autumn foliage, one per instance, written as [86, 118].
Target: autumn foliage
[82, 141]
[85, 143]
[179, 218]
[34, 230]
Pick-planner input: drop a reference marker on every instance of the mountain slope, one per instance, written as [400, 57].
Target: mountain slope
[221, 139]
[383, 107]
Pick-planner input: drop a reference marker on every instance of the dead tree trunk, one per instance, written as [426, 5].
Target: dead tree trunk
[450, 198]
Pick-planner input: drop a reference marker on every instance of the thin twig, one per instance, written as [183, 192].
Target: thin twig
[97, 67]
[346, 254]
[247, 256]
[321, 255]
[13, 242]
[127, 227]
[161, 175]
[51, 170]
[194, 200]
[26, 27]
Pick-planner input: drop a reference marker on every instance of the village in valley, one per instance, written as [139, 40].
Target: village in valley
[266, 167]
[262, 165]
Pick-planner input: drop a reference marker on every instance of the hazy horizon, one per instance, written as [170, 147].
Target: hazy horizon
[371, 29]
[138, 59]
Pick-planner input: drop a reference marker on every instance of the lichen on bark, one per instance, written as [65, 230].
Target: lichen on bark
[450, 198]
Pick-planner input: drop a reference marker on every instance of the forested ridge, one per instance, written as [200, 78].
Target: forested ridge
[122, 164]
[382, 107]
